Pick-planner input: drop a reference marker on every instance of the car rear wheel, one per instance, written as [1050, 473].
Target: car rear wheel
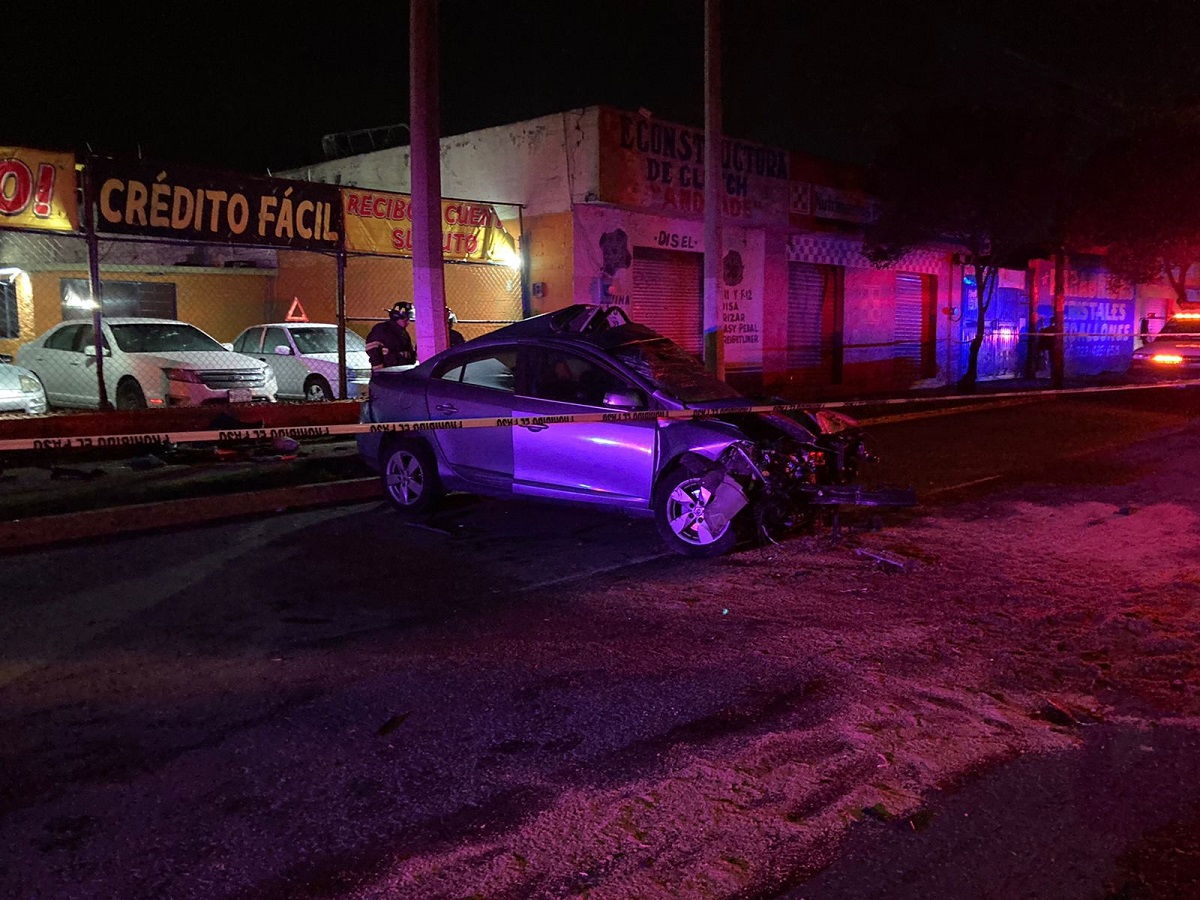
[317, 389]
[679, 507]
[410, 479]
[130, 395]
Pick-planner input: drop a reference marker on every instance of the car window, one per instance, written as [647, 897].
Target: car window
[162, 337]
[87, 338]
[315, 340]
[275, 337]
[64, 338]
[569, 378]
[496, 370]
[248, 342]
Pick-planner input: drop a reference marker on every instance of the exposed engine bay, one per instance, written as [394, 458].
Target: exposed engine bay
[798, 465]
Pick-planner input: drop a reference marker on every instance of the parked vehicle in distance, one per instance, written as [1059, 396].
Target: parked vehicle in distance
[20, 391]
[304, 358]
[147, 363]
[1174, 353]
[707, 479]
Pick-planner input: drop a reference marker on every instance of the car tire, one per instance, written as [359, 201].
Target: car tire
[317, 390]
[130, 395]
[410, 478]
[679, 514]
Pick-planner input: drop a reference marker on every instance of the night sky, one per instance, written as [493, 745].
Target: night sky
[257, 95]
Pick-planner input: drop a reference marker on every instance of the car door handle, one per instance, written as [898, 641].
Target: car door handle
[536, 427]
[447, 408]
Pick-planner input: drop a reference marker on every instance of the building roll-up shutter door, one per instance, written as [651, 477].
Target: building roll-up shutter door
[806, 293]
[668, 295]
[910, 317]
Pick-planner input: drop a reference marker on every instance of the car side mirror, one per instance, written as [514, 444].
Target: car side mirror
[624, 400]
[283, 350]
[227, 345]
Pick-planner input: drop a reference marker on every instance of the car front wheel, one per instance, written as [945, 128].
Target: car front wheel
[317, 390]
[410, 479]
[679, 512]
[130, 395]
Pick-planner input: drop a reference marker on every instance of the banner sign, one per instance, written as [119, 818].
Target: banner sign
[655, 165]
[37, 190]
[823, 202]
[180, 202]
[381, 222]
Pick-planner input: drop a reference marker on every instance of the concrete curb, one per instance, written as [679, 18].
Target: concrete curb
[42, 531]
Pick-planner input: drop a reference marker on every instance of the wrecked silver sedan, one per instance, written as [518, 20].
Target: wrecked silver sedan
[583, 405]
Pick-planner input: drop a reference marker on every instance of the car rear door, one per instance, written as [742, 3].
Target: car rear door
[612, 463]
[474, 385]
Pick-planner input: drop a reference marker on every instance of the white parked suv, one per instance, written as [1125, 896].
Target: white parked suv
[304, 357]
[20, 391]
[147, 363]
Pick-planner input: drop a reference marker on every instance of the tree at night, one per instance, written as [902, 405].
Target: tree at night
[988, 180]
[1139, 202]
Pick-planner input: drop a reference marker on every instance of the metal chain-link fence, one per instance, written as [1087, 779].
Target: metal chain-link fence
[192, 323]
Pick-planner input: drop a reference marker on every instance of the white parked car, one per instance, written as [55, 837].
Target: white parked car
[304, 357]
[20, 391]
[147, 363]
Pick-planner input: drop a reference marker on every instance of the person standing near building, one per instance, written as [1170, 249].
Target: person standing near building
[456, 337]
[389, 343]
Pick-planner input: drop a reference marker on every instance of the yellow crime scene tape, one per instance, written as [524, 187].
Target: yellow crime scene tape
[302, 432]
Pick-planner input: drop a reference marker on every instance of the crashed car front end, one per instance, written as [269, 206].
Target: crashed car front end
[784, 469]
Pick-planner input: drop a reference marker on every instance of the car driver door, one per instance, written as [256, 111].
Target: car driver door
[601, 462]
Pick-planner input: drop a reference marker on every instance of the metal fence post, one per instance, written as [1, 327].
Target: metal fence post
[341, 324]
[93, 245]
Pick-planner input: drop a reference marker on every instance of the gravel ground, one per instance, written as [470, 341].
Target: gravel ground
[669, 729]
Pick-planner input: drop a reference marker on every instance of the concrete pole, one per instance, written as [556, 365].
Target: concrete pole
[714, 333]
[1058, 368]
[429, 285]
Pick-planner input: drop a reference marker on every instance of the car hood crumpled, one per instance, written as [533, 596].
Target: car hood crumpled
[797, 424]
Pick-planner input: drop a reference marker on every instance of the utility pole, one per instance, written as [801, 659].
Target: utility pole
[714, 333]
[1057, 354]
[429, 285]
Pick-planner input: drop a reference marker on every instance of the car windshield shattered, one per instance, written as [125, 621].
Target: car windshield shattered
[325, 340]
[674, 371]
[160, 337]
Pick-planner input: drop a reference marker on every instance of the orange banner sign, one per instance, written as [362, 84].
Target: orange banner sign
[37, 190]
[380, 222]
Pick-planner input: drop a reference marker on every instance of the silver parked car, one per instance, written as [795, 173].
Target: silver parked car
[706, 478]
[304, 357]
[20, 391]
[147, 363]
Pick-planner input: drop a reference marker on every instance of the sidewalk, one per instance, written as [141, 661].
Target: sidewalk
[50, 499]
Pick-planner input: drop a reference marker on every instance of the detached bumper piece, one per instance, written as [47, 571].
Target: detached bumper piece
[853, 495]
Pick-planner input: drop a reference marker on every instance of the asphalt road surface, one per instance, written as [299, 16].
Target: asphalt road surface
[517, 700]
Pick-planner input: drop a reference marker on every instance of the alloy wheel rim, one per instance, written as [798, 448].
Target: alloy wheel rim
[405, 478]
[686, 514]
